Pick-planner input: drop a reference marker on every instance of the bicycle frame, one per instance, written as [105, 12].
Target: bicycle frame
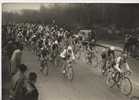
[121, 76]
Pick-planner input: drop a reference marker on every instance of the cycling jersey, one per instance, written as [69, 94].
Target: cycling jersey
[55, 46]
[121, 65]
[44, 52]
[104, 55]
[108, 54]
[34, 38]
[67, 55]
[40, 43]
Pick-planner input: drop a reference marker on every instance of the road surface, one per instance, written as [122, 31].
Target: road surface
[88, 83]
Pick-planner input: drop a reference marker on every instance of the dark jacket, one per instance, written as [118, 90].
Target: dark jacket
[32, 92]
[18, 88]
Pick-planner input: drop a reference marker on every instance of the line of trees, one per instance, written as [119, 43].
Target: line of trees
[83, 14]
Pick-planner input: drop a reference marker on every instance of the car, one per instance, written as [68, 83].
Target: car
[85, 34]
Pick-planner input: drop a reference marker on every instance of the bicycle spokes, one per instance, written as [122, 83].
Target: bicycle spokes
[126, 86]
[109, 80]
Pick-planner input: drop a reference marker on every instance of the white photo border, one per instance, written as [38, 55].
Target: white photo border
[48, 1]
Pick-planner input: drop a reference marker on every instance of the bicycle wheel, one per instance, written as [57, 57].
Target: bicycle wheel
[70, 73]
[109, 80]
[45, 71]
[95, 59]
[105, 72]
[126, 86]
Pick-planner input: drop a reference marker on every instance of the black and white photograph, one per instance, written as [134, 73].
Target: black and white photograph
[70, 51]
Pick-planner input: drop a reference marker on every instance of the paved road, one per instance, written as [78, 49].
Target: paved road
[88, 84]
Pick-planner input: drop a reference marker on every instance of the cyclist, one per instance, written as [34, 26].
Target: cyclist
[90, 46]
[108, 57]
[77, 46]
[89, 54]
[104, 60]
[121, 63]
[44, 57]
[20, 37]
[121, 66]
[111, 54]
[68, 56]
[55, 50]
[39, 46]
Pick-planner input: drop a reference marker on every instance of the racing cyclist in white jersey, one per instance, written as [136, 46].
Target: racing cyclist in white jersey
[121, 64]
[68, 56]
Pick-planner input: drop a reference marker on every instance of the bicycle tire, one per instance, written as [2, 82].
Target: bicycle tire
[95, 59]
[104, 72]
[45, 70]
[109, 80]
[70, 74]
[130, 86]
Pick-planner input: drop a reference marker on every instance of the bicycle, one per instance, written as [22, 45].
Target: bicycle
[68, 71]
[92, 57]
[44, 66]
[105, 69]
[121, 80]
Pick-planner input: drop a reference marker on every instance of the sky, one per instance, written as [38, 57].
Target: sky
[17, 7]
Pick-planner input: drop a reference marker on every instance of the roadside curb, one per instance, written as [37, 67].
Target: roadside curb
[119, 49]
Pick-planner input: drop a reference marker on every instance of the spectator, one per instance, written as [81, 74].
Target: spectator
[127, 43]
[16, 59]
[32, 92]
[133, 45]
[10, 48]
[18, 88]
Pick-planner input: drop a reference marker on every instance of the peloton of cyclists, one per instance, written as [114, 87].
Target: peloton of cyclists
[53, 39]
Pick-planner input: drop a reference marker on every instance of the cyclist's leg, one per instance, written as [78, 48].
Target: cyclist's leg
[63, 66]
[46, 67]
[90, 58]
[41, 62]
[104, 64]
[116, 77]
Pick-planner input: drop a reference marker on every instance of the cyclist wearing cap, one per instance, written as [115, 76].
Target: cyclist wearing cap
[121, 66]
[68, 53]
[68, 56]
[55, 51]
[111, 53]
[121, 63]
[104, 60]
[108, 57]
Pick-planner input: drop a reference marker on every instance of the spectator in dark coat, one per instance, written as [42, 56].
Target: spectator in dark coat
[18, 86]
[32, 92]
[10, 48]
